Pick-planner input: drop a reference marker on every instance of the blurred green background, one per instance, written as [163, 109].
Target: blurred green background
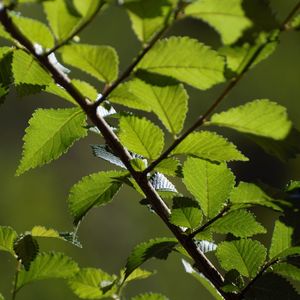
[108, 234]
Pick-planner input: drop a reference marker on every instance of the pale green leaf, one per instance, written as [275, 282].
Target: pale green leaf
[27, 70]
[88, 7]
[169, 166]
[281, 239]
[203, 179]
[94, 190]
[209, 145]
[147, 16]
[150, 296]
[7, 238]
[86, 89]
[141, 136]
[37, 32]
[249, 193]
[245, 256]
[186, 60]
[203, 280]
[295, 24]
[159, 248]
[87, 283]
[41, 231]
[287, 270]
[98, 61]
[59, 91]
[169, 103]
[228, 17]
[50, 134]
[240, 223]
[137, 274]
[186, 213]
[61, 18]
[48, 266]
[259, 117]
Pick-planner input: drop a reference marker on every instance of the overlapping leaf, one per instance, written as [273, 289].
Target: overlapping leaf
[87, 283]
[170, 166]
[156, 248]
[259, 117]
[209, 145]
[245, 256]
[287, 270]
[148, 16]
[186, 60]
[98, 61]
[141, 136]
[228, 18]
[202, 179]
[92, 191]
[50, 134]
[240, 223]
[47, 266]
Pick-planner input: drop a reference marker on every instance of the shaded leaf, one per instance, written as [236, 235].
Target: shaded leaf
[94, 190]
[246, 256]
[98, 61]
[259, 117]
[159, 248]
[47, 266]
[287, 270]
[150, 296]
[103, 151]
[186, 60]
[228, 18]
[202, 179]
[186, 213]
[209, 145]
[240, 223]
[50, 134]
[141, 136]
[162, 184]
[26, 249]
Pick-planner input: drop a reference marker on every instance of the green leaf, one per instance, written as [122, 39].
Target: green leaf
[169, 103]
[1, 297]
[5, 35]
[295, 24]
[281, 239]
[7, 238]
[26, 249]
[150, 296]
[159, 248]
[94, 190]
[141, 136]
[147, 17]
[202, 179]
[259, 117]
[137, 274]
[37, 32]
[47, 266]
[287, 270]
[249, 193]
[169, 166]
[61, 18]
[51, 133]
[209, 145]
[228, 18]
[41, 231]
[87, 283]
[98, 61]
[186, 60]
[203, 280]
[240, 223]
[186, 213]
[245, 256]
[27, 70]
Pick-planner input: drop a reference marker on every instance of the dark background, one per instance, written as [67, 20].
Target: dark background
[108, 234]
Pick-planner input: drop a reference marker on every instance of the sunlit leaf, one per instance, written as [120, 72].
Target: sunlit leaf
[7, 238]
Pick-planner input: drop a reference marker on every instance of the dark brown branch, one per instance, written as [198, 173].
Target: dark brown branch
[77, 31]
[201, 261]
[210, 222]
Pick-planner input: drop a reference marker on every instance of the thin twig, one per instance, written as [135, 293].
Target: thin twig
[210, 222]
[82, 26]
[109, 89]
[202, 119]
[15, 289]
